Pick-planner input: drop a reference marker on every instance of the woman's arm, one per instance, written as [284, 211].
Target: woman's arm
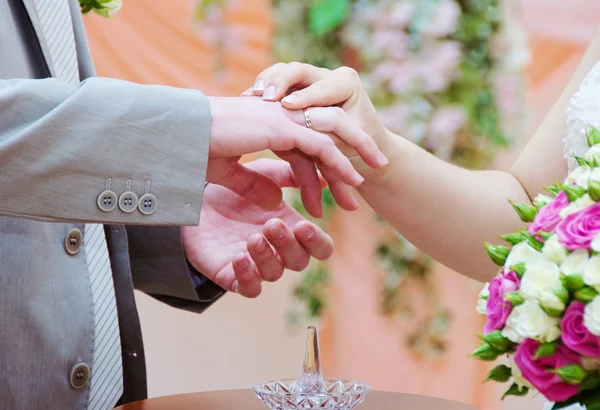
[446, 211]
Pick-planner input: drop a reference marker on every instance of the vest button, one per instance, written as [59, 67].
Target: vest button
[79, 375]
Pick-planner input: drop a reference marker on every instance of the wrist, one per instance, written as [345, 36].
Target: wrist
[391, 146]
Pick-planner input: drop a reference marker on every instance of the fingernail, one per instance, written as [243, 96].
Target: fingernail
[247, 92]
[276, 231]
[234, 287]
[290, 99]
[382, 159]
[261, 246]
[269, 93]
[359, 177]
[308, 233]
[260, 84]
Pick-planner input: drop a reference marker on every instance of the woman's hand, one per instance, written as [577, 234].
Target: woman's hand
[300, 86]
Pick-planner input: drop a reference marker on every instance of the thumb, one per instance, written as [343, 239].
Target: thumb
[324, 93]
[253, 186]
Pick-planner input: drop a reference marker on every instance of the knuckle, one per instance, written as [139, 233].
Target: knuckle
[349, 72]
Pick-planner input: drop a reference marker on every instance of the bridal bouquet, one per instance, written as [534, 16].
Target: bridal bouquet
[543, 307]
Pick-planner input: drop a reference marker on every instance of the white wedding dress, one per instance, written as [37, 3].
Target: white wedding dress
[583, 111]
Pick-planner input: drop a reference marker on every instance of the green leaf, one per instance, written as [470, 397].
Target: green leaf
[513, 238]
[515, 390]
[593, 136]
[500, 373]
[586, 295]
[534, 243]
[572, 374]
[497, 341]
[526, 212]
[553, 189]
[574, 192]
[594, 190]
[591, 382]
[581, 161]
[514, 297]
[545, 235]
[324, 16]
[497, 253]
[574, 282]
[486, 352]
[519, 269]
[545, 350]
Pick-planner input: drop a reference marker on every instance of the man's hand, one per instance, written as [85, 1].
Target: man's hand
[238, 244]
[246, 125]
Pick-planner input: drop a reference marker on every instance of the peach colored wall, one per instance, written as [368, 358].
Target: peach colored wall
[238, 342]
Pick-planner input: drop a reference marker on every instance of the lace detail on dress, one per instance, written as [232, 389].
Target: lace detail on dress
[583, 111]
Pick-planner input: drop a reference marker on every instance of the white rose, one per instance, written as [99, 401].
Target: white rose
[482, 299]
[580, 175]
[521, 253]
[596, 243]
[590, 363]
[541, 200]
[578, 205]
[591, 316]
[575, 263]
[554, 251]
[516, 374]
[591, 273]
[541, 281]
[595, 175]
[593, 154]
[529, 321]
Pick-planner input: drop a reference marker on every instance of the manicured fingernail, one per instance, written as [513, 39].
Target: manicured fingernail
[260, 85]
[247, 92]
[359, 177]
[261, 246]
[382, 158]
[290, 99]
[269, 93]
[276, 231]
[234, 287]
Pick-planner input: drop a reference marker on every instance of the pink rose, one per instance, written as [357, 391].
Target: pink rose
[575, 335]
[538, 371]
[578, 230]
[498, 309]
[548, 217]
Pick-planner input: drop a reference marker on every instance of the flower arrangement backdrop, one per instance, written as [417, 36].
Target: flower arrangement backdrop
[159, 42]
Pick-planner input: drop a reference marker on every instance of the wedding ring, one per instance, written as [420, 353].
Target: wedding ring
[307, 118]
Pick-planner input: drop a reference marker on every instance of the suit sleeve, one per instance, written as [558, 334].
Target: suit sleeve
[160, 269]
[63, 145]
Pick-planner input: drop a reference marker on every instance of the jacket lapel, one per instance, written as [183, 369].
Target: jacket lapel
[37, 26]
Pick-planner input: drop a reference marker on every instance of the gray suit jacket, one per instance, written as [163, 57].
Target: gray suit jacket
[59, 147]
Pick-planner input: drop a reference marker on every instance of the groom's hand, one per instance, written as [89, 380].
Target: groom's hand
[246, 125]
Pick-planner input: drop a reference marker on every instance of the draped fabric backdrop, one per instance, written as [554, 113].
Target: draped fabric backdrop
[239, 342]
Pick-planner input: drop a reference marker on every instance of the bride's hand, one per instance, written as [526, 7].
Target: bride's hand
[300, 86]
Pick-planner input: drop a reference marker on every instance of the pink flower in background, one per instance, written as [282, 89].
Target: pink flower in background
[445, 19]
[548, 217]
[395, 117]
[405, 78]
[443, 127]
[578, 230]
[537, 371]
[439, 65]
[393, 43]
[575, 335]
[401, 13]
[498, 309]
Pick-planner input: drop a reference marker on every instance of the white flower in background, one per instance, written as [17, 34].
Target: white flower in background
[516, 374]
[591, 273]
[591, 316]
[596, 243]
[593, 154]
[107, 7]
[522, 253]
[529, 321]
[595, 175]
[541, 282]
[580, 175]
[575, 263]
[578, 205]
[482, 299]
[554, 251]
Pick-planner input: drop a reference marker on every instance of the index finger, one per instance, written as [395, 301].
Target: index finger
[280, 78]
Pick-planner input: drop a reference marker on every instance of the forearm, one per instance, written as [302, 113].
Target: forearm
[62, 145]
[446, 211]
